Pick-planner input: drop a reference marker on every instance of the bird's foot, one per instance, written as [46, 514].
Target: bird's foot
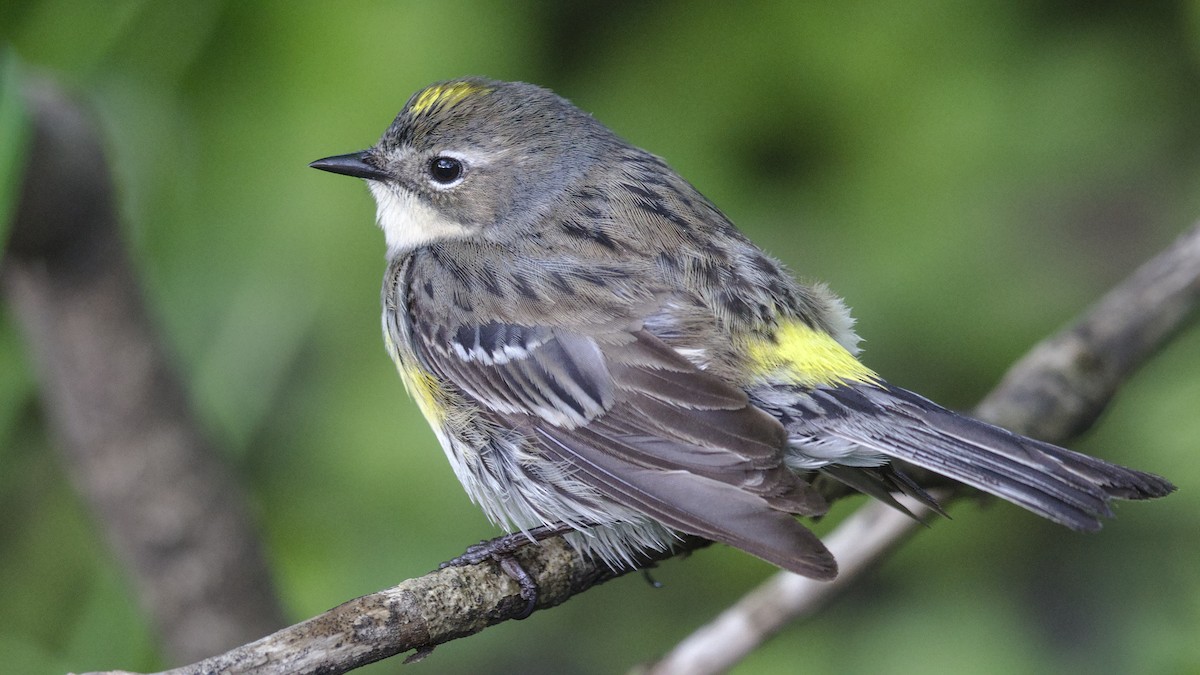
[503, 551]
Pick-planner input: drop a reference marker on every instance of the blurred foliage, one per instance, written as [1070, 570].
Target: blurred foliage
[14, 132]
[968, 175]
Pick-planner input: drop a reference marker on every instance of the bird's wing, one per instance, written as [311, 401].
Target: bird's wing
[642, 425]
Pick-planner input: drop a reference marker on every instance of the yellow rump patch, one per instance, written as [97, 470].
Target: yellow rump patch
[801, 355]
[445, 95]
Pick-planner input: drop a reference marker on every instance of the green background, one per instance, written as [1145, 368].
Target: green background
[969, 175]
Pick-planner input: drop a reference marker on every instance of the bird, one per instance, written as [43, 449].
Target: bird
[600, 351]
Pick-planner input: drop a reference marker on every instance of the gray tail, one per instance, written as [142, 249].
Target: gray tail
[1066, 487]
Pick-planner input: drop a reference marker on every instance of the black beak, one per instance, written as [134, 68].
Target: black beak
[354, 164]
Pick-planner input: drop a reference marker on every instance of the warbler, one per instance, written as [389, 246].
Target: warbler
[598, 349]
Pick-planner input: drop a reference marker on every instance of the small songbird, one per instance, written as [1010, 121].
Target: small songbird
[599, 349]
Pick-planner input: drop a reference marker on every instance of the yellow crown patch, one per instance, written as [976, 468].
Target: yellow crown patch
[445, 95]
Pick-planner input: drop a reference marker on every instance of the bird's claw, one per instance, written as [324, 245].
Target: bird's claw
[503, 551]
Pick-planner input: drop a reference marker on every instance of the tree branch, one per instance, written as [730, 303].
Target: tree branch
[128, 438]
[420, 614]
[858, 542]
[1054, 393]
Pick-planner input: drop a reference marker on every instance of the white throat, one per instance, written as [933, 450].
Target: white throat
[408, 223]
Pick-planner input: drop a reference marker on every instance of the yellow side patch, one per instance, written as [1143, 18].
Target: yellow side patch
[445, 95]
[423, 389]
[802, 355]
[420, 385]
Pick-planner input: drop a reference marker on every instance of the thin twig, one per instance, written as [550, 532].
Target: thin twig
[862, 539]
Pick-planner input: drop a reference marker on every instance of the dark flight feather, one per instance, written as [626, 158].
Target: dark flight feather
[1064, 486]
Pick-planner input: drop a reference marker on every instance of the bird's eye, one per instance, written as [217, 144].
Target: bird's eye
[446, 170]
